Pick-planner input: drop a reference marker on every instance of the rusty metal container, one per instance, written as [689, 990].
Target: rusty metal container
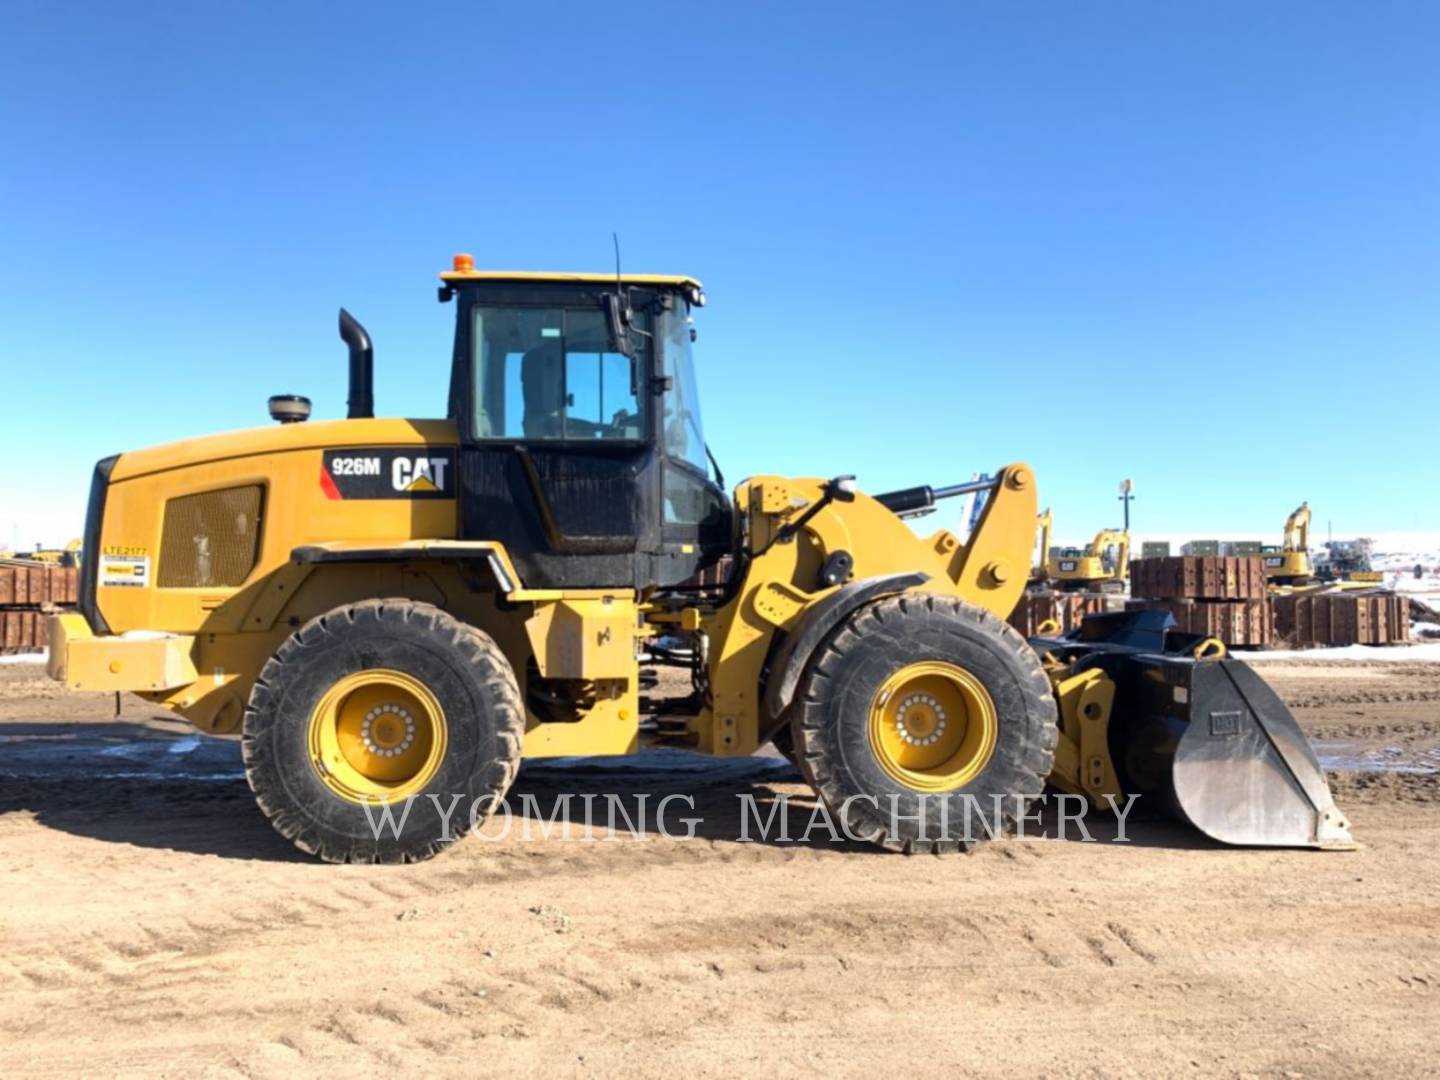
[1199, 577]
[23, 630]
[1066, 608]
[1343, 618]
[30, 592]
[1235, 622]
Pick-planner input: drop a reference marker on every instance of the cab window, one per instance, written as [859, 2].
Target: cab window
[684, 435]
[689, 498]
[549, 374]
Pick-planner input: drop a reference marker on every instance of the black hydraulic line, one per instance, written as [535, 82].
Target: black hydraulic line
[909, 500]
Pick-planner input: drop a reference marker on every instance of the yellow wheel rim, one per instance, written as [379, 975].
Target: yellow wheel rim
[932, 726]
[377, 735]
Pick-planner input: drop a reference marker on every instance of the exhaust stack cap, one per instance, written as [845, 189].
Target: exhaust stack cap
[289, 408]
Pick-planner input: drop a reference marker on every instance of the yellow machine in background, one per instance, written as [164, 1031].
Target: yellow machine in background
[69, 555]
[1103, 565]
[393, 612]
[1289, 564]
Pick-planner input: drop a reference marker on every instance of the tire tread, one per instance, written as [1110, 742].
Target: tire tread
[475, 647]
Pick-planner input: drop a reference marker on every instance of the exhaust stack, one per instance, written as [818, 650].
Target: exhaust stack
[362, 367]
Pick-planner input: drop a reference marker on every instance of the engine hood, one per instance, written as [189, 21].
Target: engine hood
[284, 438]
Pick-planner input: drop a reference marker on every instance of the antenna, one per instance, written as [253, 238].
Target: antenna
[627, 313]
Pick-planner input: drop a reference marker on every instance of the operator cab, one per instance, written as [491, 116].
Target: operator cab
[581, 446]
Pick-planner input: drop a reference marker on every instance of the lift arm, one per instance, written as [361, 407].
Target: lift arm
[1120, 539]
[1297, 529]
[1042, 569]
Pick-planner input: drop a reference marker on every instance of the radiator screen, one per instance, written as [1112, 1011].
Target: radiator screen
[211, 540]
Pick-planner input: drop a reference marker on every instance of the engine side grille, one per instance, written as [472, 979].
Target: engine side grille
[210, 540]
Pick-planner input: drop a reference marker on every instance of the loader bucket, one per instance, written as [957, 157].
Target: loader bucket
[1209, 739]
[1223, 753]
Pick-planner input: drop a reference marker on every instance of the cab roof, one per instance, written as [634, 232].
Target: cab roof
[679, 281]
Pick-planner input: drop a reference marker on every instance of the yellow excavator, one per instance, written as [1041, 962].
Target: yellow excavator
[69, 555]
[1101, 566]
[1289, 563]
[391, 613]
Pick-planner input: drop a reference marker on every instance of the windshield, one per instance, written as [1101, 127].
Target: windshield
[548, 373]
[684, 435]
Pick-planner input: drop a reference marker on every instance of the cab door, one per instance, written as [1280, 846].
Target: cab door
[557, 452]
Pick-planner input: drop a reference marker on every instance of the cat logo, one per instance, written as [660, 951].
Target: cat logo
[419, 474]
[416, 472]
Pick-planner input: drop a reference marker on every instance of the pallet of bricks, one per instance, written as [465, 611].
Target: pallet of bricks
[1222, 596]
[1343, 618]
[1065, 608]
[30, 592]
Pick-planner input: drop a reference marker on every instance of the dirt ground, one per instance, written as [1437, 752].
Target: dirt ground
[152, 923]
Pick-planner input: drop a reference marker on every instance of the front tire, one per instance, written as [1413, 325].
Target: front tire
[925, 723]
[783, 739]
[381, 732]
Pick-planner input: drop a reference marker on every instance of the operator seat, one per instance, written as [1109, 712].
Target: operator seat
[542, 382]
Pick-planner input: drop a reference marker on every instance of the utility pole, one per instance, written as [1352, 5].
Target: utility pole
[1127, 489]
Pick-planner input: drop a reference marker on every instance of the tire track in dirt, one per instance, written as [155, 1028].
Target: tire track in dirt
[1364, 697]
[151, 954]
[398, 1030]
[966, 940]
[124, 953]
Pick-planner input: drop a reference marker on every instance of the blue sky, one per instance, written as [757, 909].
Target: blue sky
[1193, 244]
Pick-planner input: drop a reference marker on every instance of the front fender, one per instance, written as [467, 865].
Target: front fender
[816, 625]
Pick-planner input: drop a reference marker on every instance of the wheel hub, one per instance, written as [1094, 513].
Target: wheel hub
[387, 730]
[920, 720]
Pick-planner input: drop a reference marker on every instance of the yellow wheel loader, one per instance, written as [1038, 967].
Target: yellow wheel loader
[398, 611]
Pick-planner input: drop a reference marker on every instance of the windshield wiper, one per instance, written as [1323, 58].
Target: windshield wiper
[719, 476]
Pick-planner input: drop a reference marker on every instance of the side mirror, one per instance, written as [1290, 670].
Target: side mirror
[617, 325]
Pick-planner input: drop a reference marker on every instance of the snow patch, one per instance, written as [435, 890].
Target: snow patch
[1429, 653]
[24, 658]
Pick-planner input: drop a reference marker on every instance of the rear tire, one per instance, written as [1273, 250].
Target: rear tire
[916, 713]
[382, 705]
